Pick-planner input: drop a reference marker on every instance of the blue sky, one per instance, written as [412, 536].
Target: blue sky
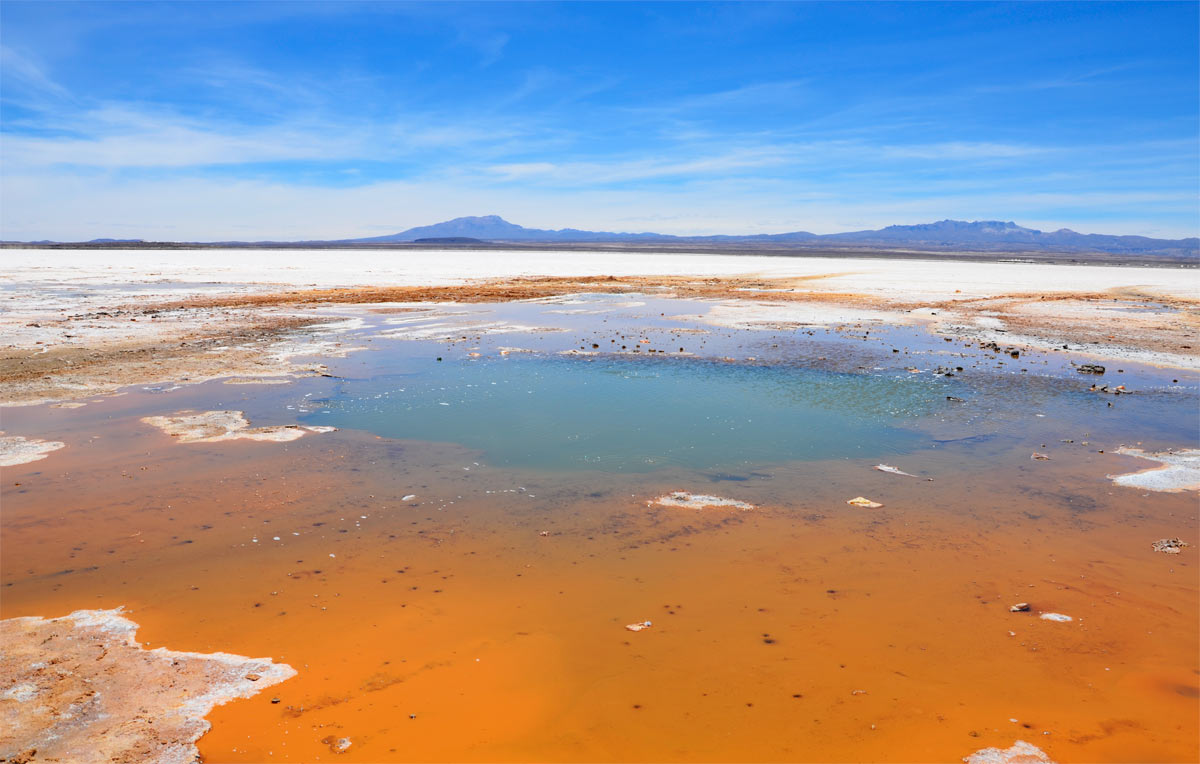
[312, 120]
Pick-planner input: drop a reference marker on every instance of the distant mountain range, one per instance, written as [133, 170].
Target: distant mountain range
[989, 235]
[980, 236]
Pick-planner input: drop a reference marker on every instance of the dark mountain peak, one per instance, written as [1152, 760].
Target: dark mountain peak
[982, 226]
[479, 220]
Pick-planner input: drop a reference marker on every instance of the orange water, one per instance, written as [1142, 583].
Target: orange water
[889, 629]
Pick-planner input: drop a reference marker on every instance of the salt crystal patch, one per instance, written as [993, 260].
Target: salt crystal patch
[685, 500]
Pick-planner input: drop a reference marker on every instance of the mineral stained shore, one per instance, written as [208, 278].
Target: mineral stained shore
[258, 316]
[82, 689]
[66, 683]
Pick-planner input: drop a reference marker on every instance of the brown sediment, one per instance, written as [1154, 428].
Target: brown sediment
[1120, 319]
[226, 335]
[187, 348]
[80, 688]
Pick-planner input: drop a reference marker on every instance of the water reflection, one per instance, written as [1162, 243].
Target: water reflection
[635, 416]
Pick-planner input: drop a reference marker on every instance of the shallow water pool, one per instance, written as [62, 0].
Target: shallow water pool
[626, 415]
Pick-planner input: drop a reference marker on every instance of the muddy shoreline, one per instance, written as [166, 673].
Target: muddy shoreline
[260, 333]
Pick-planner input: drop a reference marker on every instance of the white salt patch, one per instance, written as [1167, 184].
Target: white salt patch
[20, 693]
[15, 449]
[258, 381]
[1020, 753]
[685, 500]
[1178, 471]
[1056, 617]
[768, 315]
[214, 426]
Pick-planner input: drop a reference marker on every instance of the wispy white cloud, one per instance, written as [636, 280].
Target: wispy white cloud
[28, 76]
[641, 168]
[969, 151]
[1075, 80]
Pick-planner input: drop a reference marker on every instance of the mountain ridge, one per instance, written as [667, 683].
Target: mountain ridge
[986, 234]
[981, 237]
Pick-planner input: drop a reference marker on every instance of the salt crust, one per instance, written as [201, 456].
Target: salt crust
[215, 426]
[685, 500]
[1020, 753]
[1177, 471]
[81, 688]
[15, 449]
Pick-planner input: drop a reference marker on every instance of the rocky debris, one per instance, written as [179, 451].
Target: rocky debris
[1020, 753]
[995, 348]
[639, 626]
[1020, 607]
[215, 426]
[82, 689]
[1169, 546]
[1089, 368]
[337, 744]
[685, 500]
[862, 501]
[1177, 471]
[16, 449]
[1056, 617]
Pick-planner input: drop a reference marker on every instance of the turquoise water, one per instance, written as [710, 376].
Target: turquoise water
[624, 415]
